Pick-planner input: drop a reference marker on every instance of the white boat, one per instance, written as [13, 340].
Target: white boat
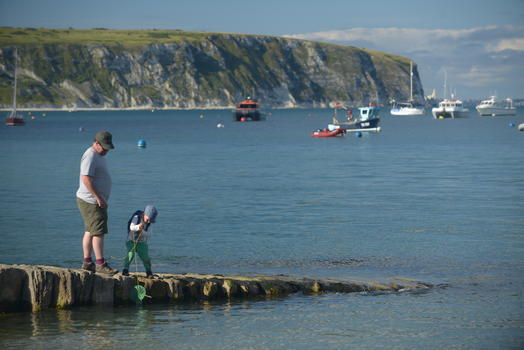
[408, 108]
[449, 109]
[492, 107]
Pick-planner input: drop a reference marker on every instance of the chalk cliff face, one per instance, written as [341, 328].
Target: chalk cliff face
[214, 72]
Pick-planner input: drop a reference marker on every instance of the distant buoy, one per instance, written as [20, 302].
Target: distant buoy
[358, 134]
[220, 125]
[33, 117]
[201, 116]
[243, 119]
[141, 144]
[521, 127]
[512, 125]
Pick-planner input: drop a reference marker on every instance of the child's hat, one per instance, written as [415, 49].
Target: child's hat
[151, 212]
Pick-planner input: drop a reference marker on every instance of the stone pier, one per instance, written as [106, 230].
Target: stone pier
[34, 288]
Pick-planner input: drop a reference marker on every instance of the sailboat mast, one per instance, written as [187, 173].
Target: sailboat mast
[411, 81]
[14, 91]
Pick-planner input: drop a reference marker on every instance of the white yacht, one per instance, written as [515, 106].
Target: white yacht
[492, 107]
[408, 108]
[449, 109]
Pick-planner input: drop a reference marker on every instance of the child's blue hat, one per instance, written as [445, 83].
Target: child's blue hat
[151, 213]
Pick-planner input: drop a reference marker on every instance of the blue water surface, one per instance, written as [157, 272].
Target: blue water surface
[435, 200]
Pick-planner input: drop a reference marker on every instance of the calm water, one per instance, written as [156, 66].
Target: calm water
[436, 200]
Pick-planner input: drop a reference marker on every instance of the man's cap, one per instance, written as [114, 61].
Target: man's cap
[151, 213]
[105, 139]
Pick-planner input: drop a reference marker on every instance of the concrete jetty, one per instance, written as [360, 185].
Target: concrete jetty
[34, 288]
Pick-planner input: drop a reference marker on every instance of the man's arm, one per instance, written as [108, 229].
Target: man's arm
[88, 182]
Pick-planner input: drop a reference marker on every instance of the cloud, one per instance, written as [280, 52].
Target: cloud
[476, 59]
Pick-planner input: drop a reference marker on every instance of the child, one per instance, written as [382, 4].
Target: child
[138, 230]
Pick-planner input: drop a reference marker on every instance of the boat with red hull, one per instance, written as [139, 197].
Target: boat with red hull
[328, 133]
[14, 118]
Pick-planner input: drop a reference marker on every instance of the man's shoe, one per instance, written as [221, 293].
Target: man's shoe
[106, 269]
[89, 266]
[149, 274]
[125, 272]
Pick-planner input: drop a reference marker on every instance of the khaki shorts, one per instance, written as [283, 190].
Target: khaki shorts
[95, 218]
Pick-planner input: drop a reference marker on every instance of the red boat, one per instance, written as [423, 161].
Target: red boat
[14, 121]
[328, 133]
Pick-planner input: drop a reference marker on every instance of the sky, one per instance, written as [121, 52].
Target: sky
[478, 43]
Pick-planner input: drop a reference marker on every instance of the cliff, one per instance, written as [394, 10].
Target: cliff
[34, 288]
[177, 69]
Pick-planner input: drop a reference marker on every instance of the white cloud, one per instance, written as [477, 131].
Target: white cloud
[510, 44]
[476, 58]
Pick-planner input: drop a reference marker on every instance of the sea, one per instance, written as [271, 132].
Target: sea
[440, 201]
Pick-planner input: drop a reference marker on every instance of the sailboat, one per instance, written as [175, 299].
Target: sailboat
[408, 108]
[14, 118]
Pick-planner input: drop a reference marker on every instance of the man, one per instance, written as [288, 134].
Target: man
[92, 196]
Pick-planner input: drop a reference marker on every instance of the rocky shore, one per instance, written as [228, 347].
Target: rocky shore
[34, 288]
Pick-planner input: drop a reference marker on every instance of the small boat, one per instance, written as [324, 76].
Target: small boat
[248, 110]
[449, 109]
[14, 118]
[367, 120]
[328, 133]
[408, 108]
[492, 107]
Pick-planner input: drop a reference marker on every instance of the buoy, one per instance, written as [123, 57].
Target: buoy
[243, 119]
[141, 144]
[201, 116]
[512, 125]
[220, 125]
[358, 134]
[521, 127]
[33, 117]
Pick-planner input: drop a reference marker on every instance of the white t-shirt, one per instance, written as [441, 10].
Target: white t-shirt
[95, 166]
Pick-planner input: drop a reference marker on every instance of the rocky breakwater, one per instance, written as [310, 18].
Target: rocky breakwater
[34, 288]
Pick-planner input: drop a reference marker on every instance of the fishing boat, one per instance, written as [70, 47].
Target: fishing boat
[14, 118]
[247, 110]
[449, 109]
[367, 120]
[328, 133]
[493, 107]
[408, 108]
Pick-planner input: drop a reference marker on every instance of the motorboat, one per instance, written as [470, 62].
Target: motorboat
[328, 133]
[367, 120]
[493, 107]
[408, 108]
[14, 118]
[247, 110]
[449, 109]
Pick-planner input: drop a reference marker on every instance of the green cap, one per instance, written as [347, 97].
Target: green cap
[105, 139]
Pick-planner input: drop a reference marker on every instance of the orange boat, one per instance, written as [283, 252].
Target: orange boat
[247, 111]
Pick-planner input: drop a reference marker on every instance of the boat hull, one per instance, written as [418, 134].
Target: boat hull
[493, 111]
[251, 116]
[448, 113]
[371, 123]
[14, 121]
[328, 133]
[407, 111]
